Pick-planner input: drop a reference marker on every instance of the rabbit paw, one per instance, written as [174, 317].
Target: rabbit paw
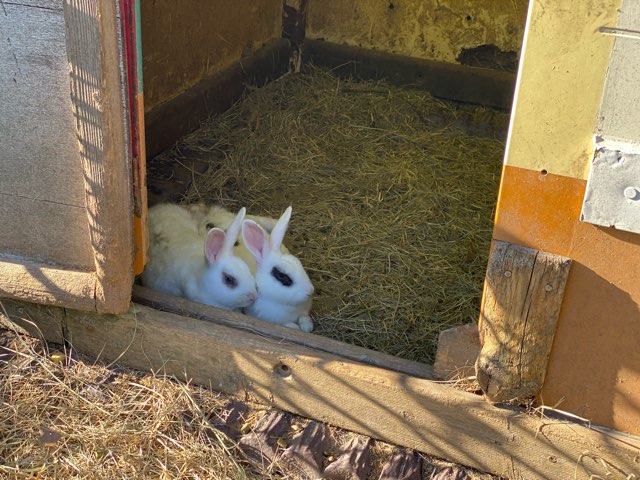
[292, 325]
[305, 323]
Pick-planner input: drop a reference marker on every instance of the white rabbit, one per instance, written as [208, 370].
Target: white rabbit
[284, 288]
[198, 267]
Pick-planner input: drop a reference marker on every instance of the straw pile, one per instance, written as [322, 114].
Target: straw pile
[393, 195]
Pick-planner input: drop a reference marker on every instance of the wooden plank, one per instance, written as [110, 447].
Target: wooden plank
[98, 90]
[44, 231]
[45, 4]
[39, 321]
[400, 409]
[458, 349]
[171, 120]
[42, 283]
[481, 86]
[131, 26]
[39, 147]
[523, 294]
[181, 306]
[41, 186]
[97, 124]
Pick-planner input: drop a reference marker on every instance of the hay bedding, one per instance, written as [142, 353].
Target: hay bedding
[393, 194]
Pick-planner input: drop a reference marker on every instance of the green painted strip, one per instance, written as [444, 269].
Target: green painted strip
[139, 45]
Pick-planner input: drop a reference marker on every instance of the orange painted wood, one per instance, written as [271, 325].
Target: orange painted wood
[594, 367]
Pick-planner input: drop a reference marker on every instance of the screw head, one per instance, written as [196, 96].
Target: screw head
[632, 193]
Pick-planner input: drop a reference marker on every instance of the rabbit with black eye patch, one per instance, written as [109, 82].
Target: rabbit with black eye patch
[284, 289]
[203, 268]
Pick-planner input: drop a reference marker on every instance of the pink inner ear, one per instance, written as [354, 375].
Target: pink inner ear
[213, 244]
[253, 237]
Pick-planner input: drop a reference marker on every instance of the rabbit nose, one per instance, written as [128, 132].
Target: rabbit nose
[251, 296]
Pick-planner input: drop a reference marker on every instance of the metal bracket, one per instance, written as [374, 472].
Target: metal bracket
[612, 198]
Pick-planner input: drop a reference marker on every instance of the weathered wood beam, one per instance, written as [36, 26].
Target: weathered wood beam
[180, 306]
[521, 304]
[169, 121]
[397, 408]
[483, 86]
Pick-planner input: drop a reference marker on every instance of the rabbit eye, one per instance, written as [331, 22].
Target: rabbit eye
[229, 281]
[281, 277]
[209, 226]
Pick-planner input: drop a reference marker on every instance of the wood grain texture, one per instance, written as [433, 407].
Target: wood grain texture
[400, 409]
[41, 186]
[92, 116]
[481, 86]
[41, 283]
[39, 321]
[46, 232]
[181, 306]
[521, 305]
[44, 4]
[98, 90]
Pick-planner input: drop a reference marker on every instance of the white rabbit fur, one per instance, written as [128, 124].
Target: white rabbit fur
[203, 268]
[284, 289]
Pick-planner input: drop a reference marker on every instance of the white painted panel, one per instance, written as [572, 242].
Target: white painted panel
[612, 198]
[619, 118]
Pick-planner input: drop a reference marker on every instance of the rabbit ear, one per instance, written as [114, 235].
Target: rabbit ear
[213, 244]
[277, 234]
[255, 239]
[233, 231]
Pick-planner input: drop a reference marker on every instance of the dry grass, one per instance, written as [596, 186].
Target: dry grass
[393, 194]
[62, 417]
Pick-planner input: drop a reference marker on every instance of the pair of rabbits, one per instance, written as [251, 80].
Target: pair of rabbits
[213, 256]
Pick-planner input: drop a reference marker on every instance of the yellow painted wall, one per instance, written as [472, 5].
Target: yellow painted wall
[184, 41]
[429, 29]
[558, 93]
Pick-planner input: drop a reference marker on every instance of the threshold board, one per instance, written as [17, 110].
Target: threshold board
[400, 409]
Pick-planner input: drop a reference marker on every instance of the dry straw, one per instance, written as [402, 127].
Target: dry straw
[393, 196]
[63, 418]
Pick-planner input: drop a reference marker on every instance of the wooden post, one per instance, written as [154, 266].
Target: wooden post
[520, 308]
